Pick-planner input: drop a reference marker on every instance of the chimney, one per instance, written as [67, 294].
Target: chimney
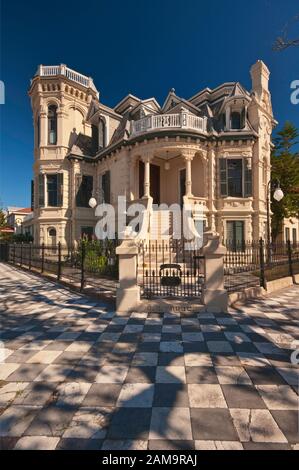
[260, 77]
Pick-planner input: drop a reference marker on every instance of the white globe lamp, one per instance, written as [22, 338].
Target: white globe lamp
[92, 202]
[278, 194]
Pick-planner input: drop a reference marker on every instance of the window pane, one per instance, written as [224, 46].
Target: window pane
[234, 177]
[235, 235]
[41, 199]
[106, 187]
[84, 192]
[52, 125]
[95, 138]
[294, 236]
[87, 232]
[235, 120]
[52, 183]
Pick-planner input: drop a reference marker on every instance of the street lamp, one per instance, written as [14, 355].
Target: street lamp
[93, 201]
[277, 195]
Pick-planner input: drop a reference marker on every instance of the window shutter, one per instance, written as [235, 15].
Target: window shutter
[41, 191]
[60, 189]
[223, 176]
[247, 178]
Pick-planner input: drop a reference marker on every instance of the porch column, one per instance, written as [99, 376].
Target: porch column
[147, 161]
[188, 157]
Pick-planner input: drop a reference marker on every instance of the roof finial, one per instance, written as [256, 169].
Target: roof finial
[172, 90]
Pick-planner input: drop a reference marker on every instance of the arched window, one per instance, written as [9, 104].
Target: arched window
[52, 125]
[102, 133]
[52, 239]
[235, 120]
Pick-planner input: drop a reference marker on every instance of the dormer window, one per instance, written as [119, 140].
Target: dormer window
[235, 120]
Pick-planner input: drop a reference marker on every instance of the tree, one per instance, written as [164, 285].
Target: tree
[285, 168]
[284, 41]
[2, 218]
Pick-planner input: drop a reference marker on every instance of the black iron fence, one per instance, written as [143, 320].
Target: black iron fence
[170, 268]
[84, 264]
[167, 268]
[253, 263]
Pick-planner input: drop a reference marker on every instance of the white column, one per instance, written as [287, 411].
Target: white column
[188, 159]
[147, 189]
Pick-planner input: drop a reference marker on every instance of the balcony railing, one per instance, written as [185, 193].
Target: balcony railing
[53, 70]
[169, 121]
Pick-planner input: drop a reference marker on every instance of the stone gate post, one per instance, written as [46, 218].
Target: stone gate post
[128, 292]
[214, 295]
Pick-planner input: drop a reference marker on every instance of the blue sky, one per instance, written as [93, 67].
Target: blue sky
[134, 46]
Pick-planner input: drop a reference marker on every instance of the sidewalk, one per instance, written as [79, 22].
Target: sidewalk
[76, 376]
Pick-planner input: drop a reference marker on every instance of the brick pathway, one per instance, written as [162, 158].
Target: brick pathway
[75, 376]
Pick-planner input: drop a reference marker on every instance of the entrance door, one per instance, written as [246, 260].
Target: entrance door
[154, 182]
[182, 185]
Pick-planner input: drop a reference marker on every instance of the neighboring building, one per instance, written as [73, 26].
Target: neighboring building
[28, 227]
[212, 150]
[290, 230]
[16, 217]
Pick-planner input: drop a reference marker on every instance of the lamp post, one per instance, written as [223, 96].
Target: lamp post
[277, 195]
[94, 200]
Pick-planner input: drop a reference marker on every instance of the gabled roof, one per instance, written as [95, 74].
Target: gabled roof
[127, 102]
[151, 104]
[26, 210]
[238, 90]
[173, 101]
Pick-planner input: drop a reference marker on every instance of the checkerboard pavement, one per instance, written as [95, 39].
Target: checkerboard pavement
[73, 375]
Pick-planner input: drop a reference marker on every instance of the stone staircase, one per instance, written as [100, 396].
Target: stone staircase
[161, 248]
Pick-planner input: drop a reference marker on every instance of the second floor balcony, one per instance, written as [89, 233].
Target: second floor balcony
[159, 122]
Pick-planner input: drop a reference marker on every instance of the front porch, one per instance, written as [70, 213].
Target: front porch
[170, 177]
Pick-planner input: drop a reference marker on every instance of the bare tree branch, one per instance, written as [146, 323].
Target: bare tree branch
[283, 42]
